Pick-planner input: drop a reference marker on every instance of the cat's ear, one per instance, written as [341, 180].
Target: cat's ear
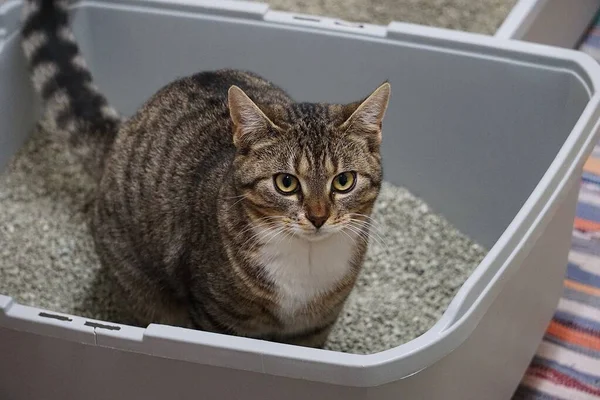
[368, 116]
[247, 117]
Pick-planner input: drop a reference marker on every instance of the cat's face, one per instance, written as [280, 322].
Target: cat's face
[309, 170]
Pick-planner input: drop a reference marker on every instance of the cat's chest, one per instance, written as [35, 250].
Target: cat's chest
[302, 270]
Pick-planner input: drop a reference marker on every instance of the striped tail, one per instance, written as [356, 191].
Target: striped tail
[74, 107]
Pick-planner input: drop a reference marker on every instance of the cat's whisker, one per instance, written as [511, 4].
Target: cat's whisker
[364, 216]
[233, 197]
[271, 235]
[264, 222]
[274, 235]
[286, 234]
[372, 232]
[349, 237]
[374, 235]
[370, 221]
[368, 218]
[358, 233]
[368, 224]
[359, 229]
[250, 227]
[254, 239]
[236, 202]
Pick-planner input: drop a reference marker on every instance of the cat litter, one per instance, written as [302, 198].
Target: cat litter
[415, 264]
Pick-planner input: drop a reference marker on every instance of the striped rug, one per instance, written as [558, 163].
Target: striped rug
[567, 363]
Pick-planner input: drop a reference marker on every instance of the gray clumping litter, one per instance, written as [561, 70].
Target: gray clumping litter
[414, 266]
[478, 16]
[47, 256]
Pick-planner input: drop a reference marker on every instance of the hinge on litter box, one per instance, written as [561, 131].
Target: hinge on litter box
[5, 303]
[325, 23]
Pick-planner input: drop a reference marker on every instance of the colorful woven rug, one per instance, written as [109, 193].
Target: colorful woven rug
[567, 363]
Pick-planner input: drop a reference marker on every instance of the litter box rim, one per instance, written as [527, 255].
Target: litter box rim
[460, 318]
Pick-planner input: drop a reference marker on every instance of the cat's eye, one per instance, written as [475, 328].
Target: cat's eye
[286, 184]
[344, 182]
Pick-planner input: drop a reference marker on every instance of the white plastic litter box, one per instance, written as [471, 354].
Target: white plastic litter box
[491, 133]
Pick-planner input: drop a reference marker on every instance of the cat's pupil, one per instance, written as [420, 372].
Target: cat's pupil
[343, 180]
[287, 181]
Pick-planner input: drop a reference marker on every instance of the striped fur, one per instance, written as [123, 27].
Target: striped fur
[74, 107]
[187, 215]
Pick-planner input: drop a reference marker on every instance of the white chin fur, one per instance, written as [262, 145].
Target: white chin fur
[307, 265]
[316, 235]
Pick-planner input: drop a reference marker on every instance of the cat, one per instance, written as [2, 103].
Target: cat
[221, 204]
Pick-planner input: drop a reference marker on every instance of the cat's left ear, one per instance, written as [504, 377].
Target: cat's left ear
[248, 119]
[368, 116]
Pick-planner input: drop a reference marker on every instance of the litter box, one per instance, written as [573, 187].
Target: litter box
[491, 133]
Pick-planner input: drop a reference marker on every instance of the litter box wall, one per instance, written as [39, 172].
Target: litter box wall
[552, 22]
[493, 134]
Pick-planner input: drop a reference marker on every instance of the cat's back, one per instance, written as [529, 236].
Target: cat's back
[196, 106]
[162, 179]
[216, 84]
[184, 129]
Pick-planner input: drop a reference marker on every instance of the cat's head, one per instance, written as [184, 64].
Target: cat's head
[308, 169]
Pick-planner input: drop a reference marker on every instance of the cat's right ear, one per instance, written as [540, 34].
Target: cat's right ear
[247, 117]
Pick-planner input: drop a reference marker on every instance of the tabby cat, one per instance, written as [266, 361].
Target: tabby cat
[222, 204]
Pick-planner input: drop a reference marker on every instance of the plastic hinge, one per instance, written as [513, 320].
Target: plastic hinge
[226, 8]
[5, 304]
[325, 23]
[48, 323]
[117, 336]
[69, 327]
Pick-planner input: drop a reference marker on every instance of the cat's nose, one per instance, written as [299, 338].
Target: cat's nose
[317, 220]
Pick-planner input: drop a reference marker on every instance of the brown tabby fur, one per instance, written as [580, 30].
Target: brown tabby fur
[186, 183]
